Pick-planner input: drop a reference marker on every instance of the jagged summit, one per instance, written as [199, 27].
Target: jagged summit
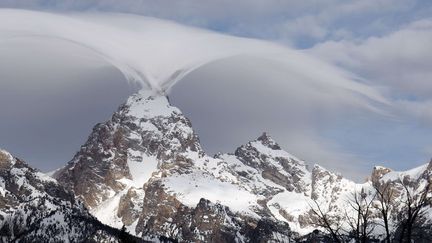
[145, 134]
[6, 159]
[259, 150]
[430, 165]
[268, 141]
[147, 104]
[378, 172]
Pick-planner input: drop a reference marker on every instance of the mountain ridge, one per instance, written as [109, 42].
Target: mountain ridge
[145, 170]
[259, 181]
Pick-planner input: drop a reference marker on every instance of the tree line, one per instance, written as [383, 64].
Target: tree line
[400, 207]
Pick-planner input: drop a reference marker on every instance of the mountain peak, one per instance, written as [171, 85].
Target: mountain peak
[319, 168]
[268, 141]
[381, 169]
[265, 146]
[319, 171]
[147, 104]
[144, 135]
[429, 167]
[378, 172]
[6, 158]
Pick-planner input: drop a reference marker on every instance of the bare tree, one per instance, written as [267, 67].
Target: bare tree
[384, 195]
[414, 209]
[327, 221]
[361, 222]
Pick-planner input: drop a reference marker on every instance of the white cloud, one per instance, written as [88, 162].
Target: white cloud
[311, 93]
[401, 61]
[306, 26]
[400, 65]
[421, 111]
[161, 52]
[289, 21]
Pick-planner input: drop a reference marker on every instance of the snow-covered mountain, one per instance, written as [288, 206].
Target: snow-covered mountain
[36, 208]
[145, 168]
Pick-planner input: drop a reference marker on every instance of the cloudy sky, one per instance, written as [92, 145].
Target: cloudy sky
[353, 89]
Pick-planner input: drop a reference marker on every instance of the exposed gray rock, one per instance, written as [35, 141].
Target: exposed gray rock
[35, 208]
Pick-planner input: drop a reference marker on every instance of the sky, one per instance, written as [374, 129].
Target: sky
[313, 102]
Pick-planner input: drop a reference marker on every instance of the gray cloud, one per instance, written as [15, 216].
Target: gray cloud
[50, 100]
[230, 103]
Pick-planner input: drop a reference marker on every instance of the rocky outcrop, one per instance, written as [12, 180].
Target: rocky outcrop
[276, 165]
[207, 222]
[378, 172]
[130, 206]
[35, 208]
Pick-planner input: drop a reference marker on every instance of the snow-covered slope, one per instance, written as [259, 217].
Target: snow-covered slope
[35, 208]
[145, 168]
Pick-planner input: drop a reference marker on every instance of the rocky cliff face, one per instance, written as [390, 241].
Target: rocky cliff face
[123, 152]
[145, 168]
[35, 208]
[145, 136]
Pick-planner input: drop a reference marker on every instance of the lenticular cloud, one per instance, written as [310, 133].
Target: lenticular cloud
[158, 53]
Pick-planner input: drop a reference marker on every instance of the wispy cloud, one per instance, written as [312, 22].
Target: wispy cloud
[399, 63]
[160, 53]
[367, 99]
[301, 23]
[311, 94]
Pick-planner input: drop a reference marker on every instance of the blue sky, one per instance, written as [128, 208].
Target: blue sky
[302, 23]
[384, 43]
